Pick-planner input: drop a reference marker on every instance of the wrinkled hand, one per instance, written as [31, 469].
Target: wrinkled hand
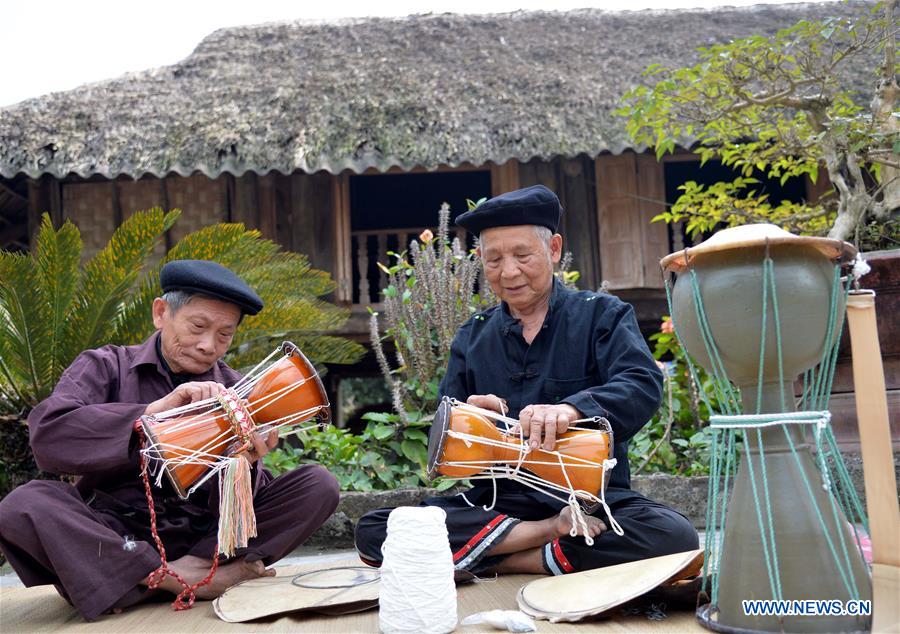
[488, 401]
[262, 444]
[184, 394]
[546, 423]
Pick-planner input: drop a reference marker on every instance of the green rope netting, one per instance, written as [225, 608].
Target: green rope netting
[733, 427]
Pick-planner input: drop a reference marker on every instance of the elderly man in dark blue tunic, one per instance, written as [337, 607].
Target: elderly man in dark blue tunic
[547, 356]
[93, 540]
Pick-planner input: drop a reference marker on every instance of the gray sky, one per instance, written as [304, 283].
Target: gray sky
[52, 45]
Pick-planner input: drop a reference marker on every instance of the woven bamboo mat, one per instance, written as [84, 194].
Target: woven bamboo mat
[42, 610]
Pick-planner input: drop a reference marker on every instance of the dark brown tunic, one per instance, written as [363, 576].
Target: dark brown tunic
[93, 540]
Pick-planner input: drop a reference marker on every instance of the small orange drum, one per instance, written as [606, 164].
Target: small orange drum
[287, 392]
[464, 443]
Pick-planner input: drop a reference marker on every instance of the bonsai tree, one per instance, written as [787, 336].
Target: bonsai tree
[783, 106]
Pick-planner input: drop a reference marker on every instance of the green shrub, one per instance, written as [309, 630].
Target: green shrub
[387, 455]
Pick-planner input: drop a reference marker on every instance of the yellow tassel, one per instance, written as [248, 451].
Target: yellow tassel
[237, 521]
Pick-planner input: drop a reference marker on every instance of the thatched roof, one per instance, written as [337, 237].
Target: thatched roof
[417, 91]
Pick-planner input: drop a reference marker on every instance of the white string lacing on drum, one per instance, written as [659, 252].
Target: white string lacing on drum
[492, 469]
[210, 455]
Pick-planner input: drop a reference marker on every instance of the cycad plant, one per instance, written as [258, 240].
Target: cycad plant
[53, 306]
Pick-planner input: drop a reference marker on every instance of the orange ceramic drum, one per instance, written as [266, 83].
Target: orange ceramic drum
[288, 386]
[581, 452]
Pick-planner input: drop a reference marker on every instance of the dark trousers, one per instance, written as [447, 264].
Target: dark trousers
[50, 535]
[650, 530]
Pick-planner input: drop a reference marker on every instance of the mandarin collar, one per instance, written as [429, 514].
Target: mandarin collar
[556, 298]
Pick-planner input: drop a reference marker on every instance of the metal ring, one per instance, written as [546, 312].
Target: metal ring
[352, 585]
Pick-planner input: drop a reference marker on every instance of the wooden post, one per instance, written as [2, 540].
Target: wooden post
[227, 195]
[116, 202]
[878, 461]
[343, 267]
[815, 191]
[267, 206]
[35, 209]
[504, 178]
[164, 203]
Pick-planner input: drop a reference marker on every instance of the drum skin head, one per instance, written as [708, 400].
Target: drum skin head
[579, 595]
[342, 590]
[437, 436]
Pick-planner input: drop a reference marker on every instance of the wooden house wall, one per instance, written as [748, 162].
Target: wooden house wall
[573, 181]
[608, 200]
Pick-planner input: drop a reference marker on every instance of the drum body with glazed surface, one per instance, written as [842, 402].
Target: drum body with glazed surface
[290, 385]
[731, 283]
[464, 443]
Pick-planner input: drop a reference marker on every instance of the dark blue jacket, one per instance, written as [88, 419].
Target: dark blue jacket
[589, 354]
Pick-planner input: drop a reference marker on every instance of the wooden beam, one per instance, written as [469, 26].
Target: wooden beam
[53, 190]
[15, 195]
[227, 181]
[815, 191]
[34, 209]
[681, 157]
[464, 167]
[267, 206]
[245, 207]
[116, 202]
[340, 206]
[164, 203]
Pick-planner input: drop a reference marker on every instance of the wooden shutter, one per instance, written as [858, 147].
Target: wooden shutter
[630, 192]
[652, 202]
[619, 224]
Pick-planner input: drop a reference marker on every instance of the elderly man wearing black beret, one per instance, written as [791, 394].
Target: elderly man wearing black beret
[92, 540]
[547, 356]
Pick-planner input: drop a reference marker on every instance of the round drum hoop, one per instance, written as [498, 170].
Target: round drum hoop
[437, 436]
[290, 349]
[153, 443]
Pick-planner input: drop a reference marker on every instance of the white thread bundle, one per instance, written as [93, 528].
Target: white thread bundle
[417, 591]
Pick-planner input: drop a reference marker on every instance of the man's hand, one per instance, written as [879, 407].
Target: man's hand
[184, 394]
[488, 401]
[261, 445]
[546, 422]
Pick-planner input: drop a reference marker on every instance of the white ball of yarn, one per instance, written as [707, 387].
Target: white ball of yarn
[417, 592]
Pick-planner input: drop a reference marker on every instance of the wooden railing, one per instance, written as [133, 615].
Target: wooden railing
[367, 248]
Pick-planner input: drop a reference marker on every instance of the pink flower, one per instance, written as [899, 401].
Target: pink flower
[667, 326]
[426, 236]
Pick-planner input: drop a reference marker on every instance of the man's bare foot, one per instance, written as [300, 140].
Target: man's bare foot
[194, 569]
[563, 524]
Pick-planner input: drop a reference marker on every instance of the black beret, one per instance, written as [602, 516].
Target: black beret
[535, 205]
[209, 278]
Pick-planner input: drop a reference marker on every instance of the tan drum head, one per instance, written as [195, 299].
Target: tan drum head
[756, 235]
[579, 595]
[340, 590]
